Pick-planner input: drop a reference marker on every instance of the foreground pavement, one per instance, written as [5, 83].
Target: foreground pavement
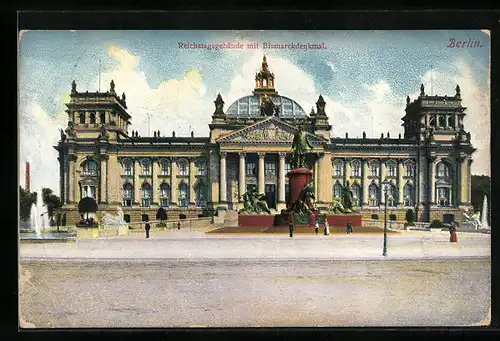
[197, 245]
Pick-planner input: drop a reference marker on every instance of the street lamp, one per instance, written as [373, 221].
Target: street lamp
[385, 185]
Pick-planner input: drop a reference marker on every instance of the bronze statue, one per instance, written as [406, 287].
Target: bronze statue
[336, 207]
[300, 147]
[254, 203]
[304, 203]
[347, 197]
[70, 130]
[104, 132]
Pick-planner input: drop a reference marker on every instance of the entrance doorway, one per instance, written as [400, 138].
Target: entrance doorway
[270, 191]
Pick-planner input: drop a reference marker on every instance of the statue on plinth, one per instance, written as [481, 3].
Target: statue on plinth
[254, 203]
[111, 220]
[336, 207]
[347, 198]
[304, 203]
[300, 147]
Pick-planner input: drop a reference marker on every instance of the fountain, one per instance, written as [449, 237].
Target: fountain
[38, 215]
[484, 215]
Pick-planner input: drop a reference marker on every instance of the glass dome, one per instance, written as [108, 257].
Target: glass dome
[249, 107]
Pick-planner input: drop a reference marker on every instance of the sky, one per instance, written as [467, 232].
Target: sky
[364, 77]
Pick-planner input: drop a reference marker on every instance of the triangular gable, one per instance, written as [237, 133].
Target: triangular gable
[269, 131]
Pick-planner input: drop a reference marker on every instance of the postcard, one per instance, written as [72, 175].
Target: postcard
[187, 179]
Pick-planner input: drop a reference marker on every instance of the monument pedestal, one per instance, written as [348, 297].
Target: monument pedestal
[298, 178]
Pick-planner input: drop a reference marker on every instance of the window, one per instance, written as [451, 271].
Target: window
[373, 194]
[356, 169]
[432, 121]
[391, 170]
[450, 121]
[337, 169]
[337, 190]
[288, 167]
[182, 168]
[443, 195]
[270, 168]
[409, 169]
[127, 168]
[374, 170]
[92, 118]
[201, 196]
[356, 194]
[441, 121]
[374, 216]
[183, 195]
[202, 168]
[146, 168]
[90, 168]
[443, 171]
[391, 195]
[164, 195]
[102, 117]
[146, 195]
[251, 168]
[82, 118]
[128, 191]
[164, 167]
[392, 217]
[89, 192]
[408, 195]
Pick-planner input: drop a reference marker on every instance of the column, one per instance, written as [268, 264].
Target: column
[325, 182]
[223, 181]
[347, 169]
[107, 179]
[173, 182]
[422, 183]
[383, 169]
[71, 178]
[469, 180]
[464, 191]
[401, 183]
[192, 180]
[241, 179]
[261, 172]
[103, 176]
[137, 184]
[316, 177]
[281, 182]
[214, 177]
[155, 169]
[432, 190]
[364, 181]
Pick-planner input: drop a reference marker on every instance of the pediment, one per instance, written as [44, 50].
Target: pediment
[269, 131]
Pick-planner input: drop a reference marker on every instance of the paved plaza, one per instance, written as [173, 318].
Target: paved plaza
[181, 279]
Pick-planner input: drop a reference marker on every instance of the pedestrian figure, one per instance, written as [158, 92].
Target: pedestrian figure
[327, 228]
[316, 228]
[291, 228]
[147, 227]
[179, 225]
[349, 227]
[453, 233]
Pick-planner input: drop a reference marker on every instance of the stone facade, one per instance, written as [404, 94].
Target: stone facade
[427, 169]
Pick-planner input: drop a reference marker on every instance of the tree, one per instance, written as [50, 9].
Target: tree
[410, 216]
[52, 202]
[481, 186]
[26, 200]
[87, 205]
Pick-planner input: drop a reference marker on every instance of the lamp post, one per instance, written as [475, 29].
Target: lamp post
[385, 185]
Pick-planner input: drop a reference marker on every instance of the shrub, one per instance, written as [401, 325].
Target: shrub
[410, 216]
[436, 223]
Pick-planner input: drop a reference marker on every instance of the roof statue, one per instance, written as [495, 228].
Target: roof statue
[422, 90]
[112, 86]
[457, 90]
[73, 87]
[300, 147]
[219, 106]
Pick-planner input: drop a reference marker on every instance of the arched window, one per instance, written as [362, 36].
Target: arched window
[146, 167]
[92, 118]
[127, 167]
[183, 168]
[102, 117]
[146, 195]
[432, 121]
[409, 168]
[201, 195]
[164, 167]
[373, 195]
[82, 118]
[90, 167]
[356, 169]
[337, 169]
[374, 169]
[391, 169]
[391, 195]
[128, 193]
[202, 168]
[408, 195]
[164, 195]
[183, 195]
[441, 121]
[450, 122]
[337, 190]
[356, 194]
[443, 170]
